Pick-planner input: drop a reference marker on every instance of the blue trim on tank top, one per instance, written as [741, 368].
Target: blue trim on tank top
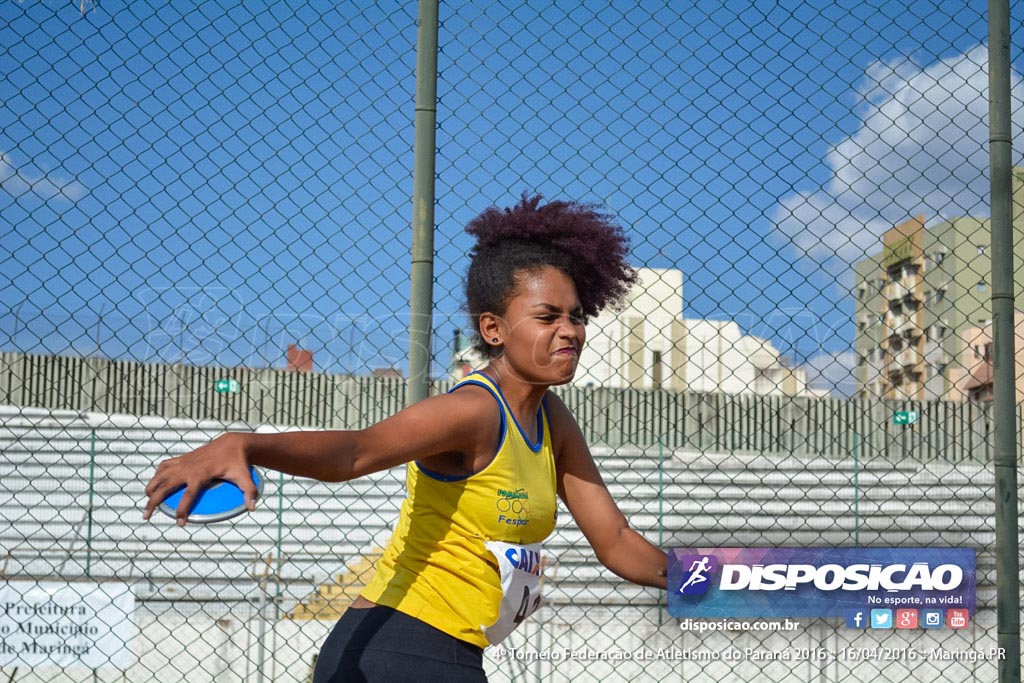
[442, 477]
[540, 420]
[501, 435]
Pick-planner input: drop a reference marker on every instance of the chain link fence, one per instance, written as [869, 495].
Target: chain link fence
[206, 227]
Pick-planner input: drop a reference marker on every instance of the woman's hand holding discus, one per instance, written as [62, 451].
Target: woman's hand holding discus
[437, 426]
[223, 459]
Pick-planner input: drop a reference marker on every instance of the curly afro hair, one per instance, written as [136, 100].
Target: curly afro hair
[578, 239]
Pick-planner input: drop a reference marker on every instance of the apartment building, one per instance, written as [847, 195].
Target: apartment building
[916, 298]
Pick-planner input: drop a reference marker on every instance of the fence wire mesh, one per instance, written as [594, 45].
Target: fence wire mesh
[206, 228]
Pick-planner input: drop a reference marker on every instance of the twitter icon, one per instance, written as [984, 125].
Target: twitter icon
[881, 618]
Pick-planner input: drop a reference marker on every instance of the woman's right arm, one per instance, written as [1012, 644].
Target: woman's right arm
[450, 423]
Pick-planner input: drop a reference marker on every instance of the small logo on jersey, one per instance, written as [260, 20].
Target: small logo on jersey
[513, 507]
[697, 571]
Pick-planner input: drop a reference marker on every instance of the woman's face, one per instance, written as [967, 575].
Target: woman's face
[542, 331]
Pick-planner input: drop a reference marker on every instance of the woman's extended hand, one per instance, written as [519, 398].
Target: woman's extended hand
[222, 458]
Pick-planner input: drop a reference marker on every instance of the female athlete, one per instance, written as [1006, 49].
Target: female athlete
[484, 461]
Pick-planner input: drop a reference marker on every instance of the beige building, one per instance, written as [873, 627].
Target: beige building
[649, 345]
[721, 359]
[972, 375]
[644, 345]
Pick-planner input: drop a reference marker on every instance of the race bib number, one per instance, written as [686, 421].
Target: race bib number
[520, 587]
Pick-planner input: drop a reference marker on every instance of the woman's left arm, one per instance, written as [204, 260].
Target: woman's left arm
[581, 488]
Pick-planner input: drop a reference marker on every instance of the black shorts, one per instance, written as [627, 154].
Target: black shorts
[383, 644]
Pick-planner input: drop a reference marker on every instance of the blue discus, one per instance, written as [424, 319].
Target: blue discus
[219, 501]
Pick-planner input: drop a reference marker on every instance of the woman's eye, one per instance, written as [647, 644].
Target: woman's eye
[574, 319]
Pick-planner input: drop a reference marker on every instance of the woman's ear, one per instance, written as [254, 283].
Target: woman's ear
[490, 330]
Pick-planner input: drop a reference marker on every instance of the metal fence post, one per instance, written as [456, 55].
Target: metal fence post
[1004, 370]
[422, 276]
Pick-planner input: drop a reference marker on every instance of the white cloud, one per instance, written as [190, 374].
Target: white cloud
[834, 372]
[921, 148]
[17, 182]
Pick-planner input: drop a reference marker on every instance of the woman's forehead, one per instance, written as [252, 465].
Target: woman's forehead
[547, 286]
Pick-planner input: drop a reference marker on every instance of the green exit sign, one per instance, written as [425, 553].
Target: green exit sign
[905, 417]
[227, 386]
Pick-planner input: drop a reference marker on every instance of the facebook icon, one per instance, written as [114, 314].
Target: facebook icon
[856, 619]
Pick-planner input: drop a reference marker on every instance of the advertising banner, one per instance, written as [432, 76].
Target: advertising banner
[870, 587]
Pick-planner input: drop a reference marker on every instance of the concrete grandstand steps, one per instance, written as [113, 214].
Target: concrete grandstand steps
[305, 571]
[39, 417]
[843, 491]
[806, 479]
[571, 539]
[707, 499]
[330, 600]
[686, 458]
[111, 436]
[129, 500]
[878, 504]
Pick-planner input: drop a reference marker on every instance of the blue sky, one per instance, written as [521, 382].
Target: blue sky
[213, 182]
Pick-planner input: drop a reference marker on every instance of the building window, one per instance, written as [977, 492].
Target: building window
[656, 369]
[940, 294]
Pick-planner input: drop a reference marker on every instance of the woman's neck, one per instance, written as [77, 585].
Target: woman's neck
[523, 397]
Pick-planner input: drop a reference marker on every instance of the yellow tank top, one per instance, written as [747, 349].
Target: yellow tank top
[437, 567]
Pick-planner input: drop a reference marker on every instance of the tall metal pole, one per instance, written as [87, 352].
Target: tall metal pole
[421, 299]
[1004, 380]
